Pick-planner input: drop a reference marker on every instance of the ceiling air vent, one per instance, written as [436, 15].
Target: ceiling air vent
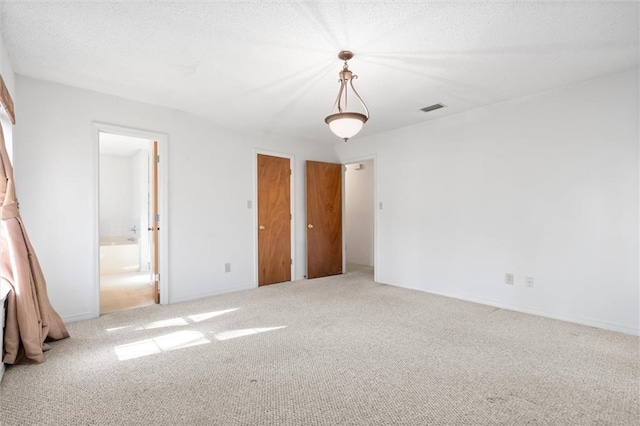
[432, 107]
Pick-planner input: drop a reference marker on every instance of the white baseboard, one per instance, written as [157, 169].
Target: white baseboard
[88, 315]
[210, 294]
[583, 321]
[1, 370]
[77, 317]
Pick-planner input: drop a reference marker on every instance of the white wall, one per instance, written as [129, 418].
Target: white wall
[136, 196]
[543, 186]
[117, 191]
[140, 204]
[210, 181]
[358, 188]
[6, 70]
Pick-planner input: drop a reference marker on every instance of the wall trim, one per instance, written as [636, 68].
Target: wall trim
[605, 325]
[198, 296]
[77, 317]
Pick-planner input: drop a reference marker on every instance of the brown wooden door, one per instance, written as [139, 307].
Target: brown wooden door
[324, 219]
[274, 220]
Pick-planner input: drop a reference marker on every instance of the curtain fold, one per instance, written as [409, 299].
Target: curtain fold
[31, 320]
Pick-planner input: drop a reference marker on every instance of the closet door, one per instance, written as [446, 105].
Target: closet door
[324, 219]
[274, 220]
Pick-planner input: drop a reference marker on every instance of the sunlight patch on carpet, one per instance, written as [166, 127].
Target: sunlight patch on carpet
[173, 322]
[232, 334]
[168, 342]
[109, 330]
[209, 315]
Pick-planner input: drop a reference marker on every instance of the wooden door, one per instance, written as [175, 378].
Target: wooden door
[274, 220]
[155, 228]
[324, 219]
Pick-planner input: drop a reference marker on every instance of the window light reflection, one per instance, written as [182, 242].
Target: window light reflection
[175, 322]
[232, 334]
[209, 315]
[168, 342]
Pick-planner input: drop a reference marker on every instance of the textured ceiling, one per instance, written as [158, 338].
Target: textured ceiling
[272, 66]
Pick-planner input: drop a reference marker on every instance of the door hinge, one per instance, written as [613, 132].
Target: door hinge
[290, 172]
[157, 218]
[291, 261]
[157, 158]
[290, 216]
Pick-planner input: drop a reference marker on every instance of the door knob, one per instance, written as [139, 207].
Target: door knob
[310, 226]
[261, 227]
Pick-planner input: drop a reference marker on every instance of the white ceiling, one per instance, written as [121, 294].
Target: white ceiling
[272, 66]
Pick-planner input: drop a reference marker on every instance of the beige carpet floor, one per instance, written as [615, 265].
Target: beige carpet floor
[334, 351]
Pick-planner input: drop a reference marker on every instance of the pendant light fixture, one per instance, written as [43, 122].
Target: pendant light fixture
[341, 121]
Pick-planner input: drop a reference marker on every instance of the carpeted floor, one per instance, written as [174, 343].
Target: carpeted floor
[334, 351]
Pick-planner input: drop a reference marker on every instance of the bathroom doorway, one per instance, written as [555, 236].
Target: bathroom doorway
[359, 216]
[128, 230]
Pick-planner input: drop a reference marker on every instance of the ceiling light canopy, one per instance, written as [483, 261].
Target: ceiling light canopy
[341, 121]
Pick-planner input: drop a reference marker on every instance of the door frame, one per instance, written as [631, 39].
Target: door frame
[291, 158]
[163, 209]
[371, 157]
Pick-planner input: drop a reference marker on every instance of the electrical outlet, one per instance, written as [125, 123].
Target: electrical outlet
[528, 282]
[227, 267]
[508, 278]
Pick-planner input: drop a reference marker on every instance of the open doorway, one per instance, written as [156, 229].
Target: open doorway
[359, 216]
[127, 229]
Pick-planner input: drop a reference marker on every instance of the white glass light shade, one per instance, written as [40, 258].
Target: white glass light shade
[346, 124]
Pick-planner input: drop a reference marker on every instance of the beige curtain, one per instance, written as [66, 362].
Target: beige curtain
[31, 320]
